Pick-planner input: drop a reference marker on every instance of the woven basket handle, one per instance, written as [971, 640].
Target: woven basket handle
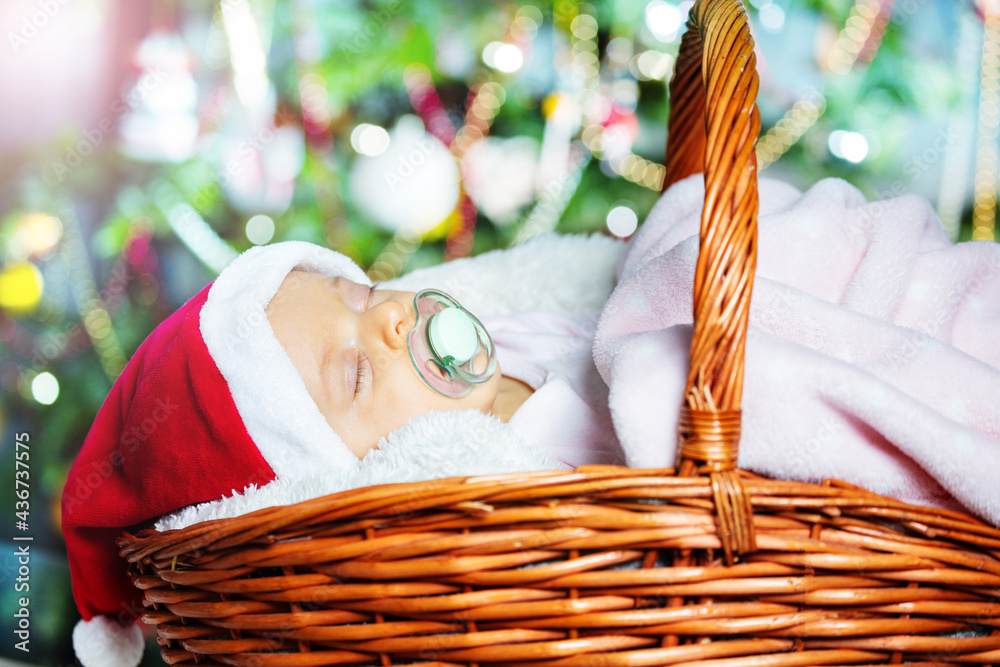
[713, 126]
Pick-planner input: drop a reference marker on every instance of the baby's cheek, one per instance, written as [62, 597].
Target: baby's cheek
[487, 392]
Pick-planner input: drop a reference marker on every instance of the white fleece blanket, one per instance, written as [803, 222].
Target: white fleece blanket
[873, 354]
[572, 275]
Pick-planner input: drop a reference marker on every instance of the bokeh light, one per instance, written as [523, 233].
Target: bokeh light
[622, 219]
[370, 140]
[35, 234]
[260, 229]
[772, 18]
[45, 388]
[850, 146]
[664, 20]
[503, 57]
[652, 65]
[21, 288]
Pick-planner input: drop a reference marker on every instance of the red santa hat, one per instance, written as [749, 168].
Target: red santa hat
[209, 404]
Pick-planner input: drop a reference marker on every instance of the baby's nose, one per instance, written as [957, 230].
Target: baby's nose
[395, 322]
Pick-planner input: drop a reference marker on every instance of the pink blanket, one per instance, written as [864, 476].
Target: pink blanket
[873, 354]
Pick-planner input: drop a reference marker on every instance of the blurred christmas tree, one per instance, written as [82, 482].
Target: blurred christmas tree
[405, 134]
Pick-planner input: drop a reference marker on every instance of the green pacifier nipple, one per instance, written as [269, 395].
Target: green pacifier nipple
[452, 336]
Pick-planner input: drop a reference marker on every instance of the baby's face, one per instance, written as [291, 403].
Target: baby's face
[348, 344]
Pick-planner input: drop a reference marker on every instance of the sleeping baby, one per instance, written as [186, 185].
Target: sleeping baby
[373, 359]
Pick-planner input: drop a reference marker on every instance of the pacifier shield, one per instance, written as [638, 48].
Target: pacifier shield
[450, 349]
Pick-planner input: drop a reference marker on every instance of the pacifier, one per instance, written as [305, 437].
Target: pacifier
[449, 347]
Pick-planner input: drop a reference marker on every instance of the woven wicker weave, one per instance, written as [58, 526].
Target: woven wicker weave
[603, 565]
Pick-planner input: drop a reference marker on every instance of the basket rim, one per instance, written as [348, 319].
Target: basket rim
[475, 493]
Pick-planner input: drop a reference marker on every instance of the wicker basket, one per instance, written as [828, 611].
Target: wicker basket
[602, 565]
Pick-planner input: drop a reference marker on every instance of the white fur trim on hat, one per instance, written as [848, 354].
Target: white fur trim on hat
[270, 395]
[101, 642]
